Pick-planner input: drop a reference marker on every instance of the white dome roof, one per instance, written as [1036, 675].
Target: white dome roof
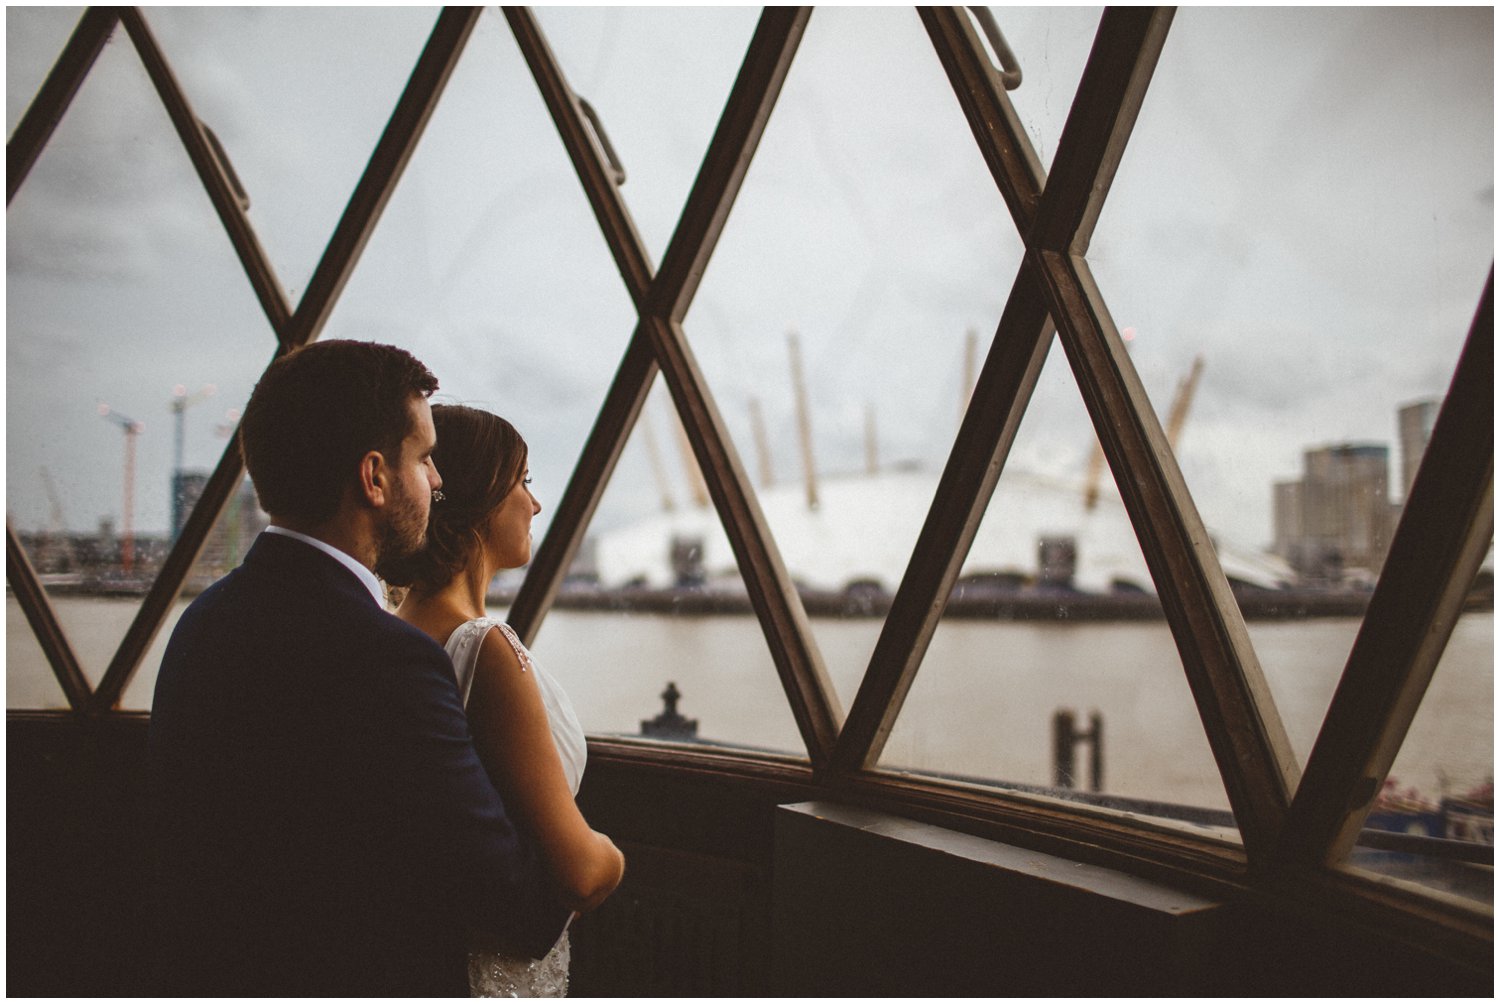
[866, 526]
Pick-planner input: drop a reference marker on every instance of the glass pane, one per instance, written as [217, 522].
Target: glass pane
[1316, 242]
[876, 236]
[30, 683]
[1053, 669]
[488, 265]
[34, 38]
[658, 78]
[298, 97]
[130, 326]
[658, 601]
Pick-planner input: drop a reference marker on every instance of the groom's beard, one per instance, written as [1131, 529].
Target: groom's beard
[405, 530]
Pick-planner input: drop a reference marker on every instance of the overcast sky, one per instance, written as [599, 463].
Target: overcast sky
[1307, 201]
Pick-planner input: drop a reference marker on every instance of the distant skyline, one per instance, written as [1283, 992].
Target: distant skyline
[1317, 225]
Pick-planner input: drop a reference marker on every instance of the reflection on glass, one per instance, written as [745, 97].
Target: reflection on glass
[1053, 668]
[489, 266]
[658, 78]
[131, 329]
[658, 601]
[297, 97]
[839, 322]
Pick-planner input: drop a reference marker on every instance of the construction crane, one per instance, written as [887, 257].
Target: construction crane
[131, 428]
[181, 402]
[1176, 418]
[57, 531]
[657, 467]
[1182, 401]
[1096, 459]
[804, 421]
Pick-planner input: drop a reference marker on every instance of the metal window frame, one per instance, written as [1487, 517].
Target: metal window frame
[1294, 834]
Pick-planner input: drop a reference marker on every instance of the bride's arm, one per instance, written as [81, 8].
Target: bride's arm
[514, 741]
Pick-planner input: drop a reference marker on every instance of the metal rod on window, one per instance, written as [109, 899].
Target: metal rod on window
[1010, 70]
[614, 219]
[616, 169]
[221, 156]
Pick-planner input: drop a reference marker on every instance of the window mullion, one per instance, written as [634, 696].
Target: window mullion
[990, 423]
[774, 597]
[571, 516]
[1243, 727]
[989, 428]
[1002, 139]
[1099, 123]
[727, 160]
[772, 593]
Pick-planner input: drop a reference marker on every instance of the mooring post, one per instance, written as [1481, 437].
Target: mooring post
[1062, 748]
[1065, 739]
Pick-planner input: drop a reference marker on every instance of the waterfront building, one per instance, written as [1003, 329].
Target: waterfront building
[232, 534]
[1414, 429]
[1334, 524]
[187, 488]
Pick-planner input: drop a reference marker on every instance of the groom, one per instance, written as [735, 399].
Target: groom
[325, 827]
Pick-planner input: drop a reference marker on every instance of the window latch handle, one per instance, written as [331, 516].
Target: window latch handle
[1010, 71]
[221, 158]
[616, 169]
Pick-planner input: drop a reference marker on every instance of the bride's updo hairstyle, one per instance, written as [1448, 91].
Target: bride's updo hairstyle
[480, 458]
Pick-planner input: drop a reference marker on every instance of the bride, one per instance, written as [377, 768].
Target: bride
[524, 727]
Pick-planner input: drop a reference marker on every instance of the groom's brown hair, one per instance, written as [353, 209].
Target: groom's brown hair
[316, 412]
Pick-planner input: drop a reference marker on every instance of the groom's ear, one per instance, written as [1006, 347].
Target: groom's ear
[374, 479]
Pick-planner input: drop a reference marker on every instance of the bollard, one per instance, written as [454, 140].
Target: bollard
[1065, 740]
[669, 724]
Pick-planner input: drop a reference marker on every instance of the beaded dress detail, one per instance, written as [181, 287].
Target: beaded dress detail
[493, 972]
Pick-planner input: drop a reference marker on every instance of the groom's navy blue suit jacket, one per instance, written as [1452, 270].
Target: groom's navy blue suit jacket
[325, 826]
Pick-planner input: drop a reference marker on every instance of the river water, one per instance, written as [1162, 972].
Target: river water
[981, 705]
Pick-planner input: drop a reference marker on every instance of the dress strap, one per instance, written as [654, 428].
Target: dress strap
[515, 643]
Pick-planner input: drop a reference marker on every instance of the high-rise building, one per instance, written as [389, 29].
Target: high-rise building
[1335, 523]
[1414, 425]
[232, 534]
[187, 489]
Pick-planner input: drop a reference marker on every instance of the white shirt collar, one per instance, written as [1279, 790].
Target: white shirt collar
[366, 577]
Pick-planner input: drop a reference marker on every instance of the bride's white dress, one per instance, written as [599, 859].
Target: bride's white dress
[494, 972]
